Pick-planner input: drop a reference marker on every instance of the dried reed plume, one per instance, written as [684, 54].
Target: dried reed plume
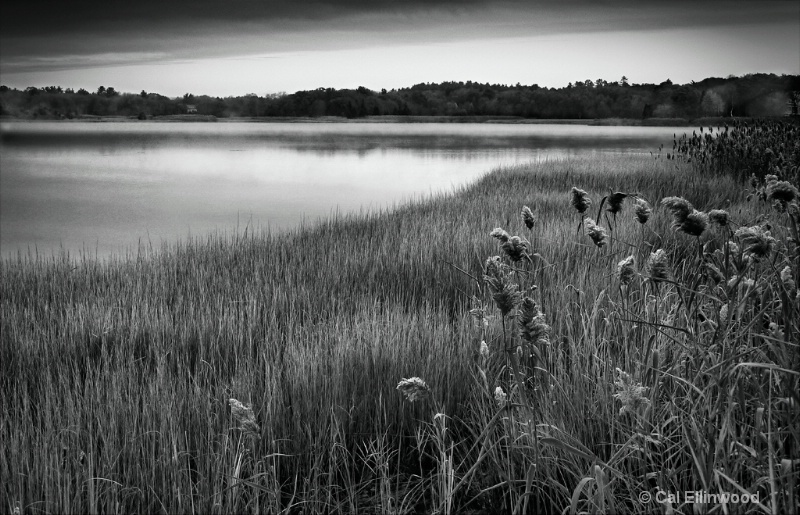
[658, 266]
[630, 393]
[484, 349]
[679, 207]
[626, 270]
[515, 247]
[527, 217]
[719, 217]
[757, 241]
[642, 210]
[500, 397]
[580, 200]
[245, 417]
[504, 292]
[788, 280]
[615, 202]
[500, 234]
[694, 224]
[596, 233]
[781, 191]
[414, 389]
[532, 326]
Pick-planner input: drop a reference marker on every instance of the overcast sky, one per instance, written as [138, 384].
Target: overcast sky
[234, 47]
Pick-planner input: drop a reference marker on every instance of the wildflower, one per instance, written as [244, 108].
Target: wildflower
[694, 224]
[615, 202]
[596, 233]
[757, 240]
[626, 270]
[719, 217]
[414, 389]
[781, 191]
[657, 266]
[500, 234]
[515, 247]
[484, 349]
[500, 397]
[527, 217]
[532, 326]
[631, 394]
[245, 417]
[679, 207]
[642, 210]
[580, 200]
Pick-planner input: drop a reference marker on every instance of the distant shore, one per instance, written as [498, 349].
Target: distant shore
[193, 118]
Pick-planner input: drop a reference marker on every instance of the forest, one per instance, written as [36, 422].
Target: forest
[753, 95]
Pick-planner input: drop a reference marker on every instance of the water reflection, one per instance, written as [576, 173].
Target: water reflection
[106, 186]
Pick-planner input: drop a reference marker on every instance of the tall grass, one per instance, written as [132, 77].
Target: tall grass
[115, 377]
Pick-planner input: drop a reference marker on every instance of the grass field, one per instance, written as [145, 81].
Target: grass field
[117, 377]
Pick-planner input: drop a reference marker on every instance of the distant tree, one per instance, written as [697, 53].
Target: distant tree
[3, 88]
[111, 92]
[143, 94]
[624, 81]
[69, 91]
[82, 91]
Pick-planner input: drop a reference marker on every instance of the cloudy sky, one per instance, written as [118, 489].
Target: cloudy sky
[234, 47]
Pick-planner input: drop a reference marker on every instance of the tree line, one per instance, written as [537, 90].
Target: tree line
[754, 95]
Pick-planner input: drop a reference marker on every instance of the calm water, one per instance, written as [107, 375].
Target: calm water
[103, 188]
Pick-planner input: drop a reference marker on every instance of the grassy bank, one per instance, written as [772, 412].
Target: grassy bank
[116, 377]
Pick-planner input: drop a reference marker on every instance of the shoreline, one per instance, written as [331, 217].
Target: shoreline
[510, 120]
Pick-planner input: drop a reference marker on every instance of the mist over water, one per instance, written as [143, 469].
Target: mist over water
[105, 188]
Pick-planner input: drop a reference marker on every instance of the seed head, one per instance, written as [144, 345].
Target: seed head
[679, 207]
[414, 389]
[781, 191]
[246, 418]
[642, 210]
[615, 202]
[500, 397]
[630, 393]
[626, 270]
[719, 217]
[500, 234]
[757, 241]
[787, 279]
[515, 247]
[527, 217]
[694, 224]
[484, 350]
[657, 266]
[532, 326]
[503, 291]
[596, 233]
[580, 200]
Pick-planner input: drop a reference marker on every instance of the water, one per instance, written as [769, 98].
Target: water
[107, 188]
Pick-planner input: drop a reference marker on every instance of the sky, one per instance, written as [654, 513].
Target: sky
[236, 47]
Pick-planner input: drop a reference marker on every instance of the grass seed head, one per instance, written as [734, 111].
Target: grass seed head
[484, 349]
[756, 240]
[719, 217]
[694, 224]
[527, 217]
[500, 234]
[781, 191]
[414, 389]
[500, 397]
[630, 393]
[642, 210]
[245, 417]
[658, 266]
[515, 247]
[580, 200]
[596, 233]
[626, 270]
[615, 202]
[788, 280]
[679, 207]
[532, 326]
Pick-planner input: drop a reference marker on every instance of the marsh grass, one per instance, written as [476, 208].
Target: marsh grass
[115, 377]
